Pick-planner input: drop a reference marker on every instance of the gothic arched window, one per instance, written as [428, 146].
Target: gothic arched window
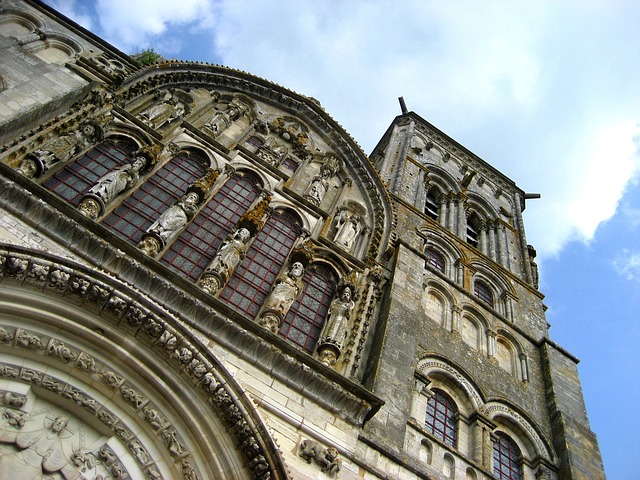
[252, 281]
[304, 322]
[506, 458]
[483, 292]
[146, 204]
[441, 416]
[435, 259]
[196, 246]
[77, 177]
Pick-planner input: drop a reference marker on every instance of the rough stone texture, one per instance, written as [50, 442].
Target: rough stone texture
[413, 329]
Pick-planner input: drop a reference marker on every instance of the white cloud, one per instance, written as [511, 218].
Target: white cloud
[76, 10]
[627, 264]
[141, 24]
[543, 91]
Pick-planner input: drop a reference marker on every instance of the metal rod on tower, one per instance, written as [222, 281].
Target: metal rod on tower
[403, 106]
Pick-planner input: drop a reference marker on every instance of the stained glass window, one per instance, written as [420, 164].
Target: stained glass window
[72, 181]
[192, 251]
[441, 417]
[303, 324]
[252, 281]
[506, 458]
[135, 214]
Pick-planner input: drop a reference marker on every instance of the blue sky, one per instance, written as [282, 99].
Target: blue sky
[545, 91]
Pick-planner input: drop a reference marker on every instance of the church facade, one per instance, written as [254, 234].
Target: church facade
[203, 276]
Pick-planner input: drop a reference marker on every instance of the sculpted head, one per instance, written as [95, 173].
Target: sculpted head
[297, 269]
[191, 198]
[59, 423]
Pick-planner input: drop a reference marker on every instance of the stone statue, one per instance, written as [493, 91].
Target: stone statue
[318, 188]
[348, 227]
[229, 256]
[272, 152]
[171, 222]
[60, 149]
[287, 288]
[39, 453]
[166, 111]
[221, 120]
[110, 186]
[335, 330]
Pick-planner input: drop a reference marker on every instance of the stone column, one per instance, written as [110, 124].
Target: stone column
[456, 313]
[444, 211]
[491, 343]
[491, 250]
[524, 367]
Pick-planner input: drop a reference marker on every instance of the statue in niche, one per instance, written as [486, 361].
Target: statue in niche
[222, 119]
[39, 452]
[229, 256]
[164, 112]
[172, 220]
[60, 149]
[110, 186]
[335, 330]
[318, 188]
[348, 227]
[287, 288]
[320, 183]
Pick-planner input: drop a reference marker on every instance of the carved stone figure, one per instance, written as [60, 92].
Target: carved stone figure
[287, 288]
[39, 452]
[335, 330]
[348, 227]
[318, 188]
[272, 152]
[172, 220]
[226, 260]
[164, 112]
[222, 119]
[60, 149]
[110, 186]
[326, 458]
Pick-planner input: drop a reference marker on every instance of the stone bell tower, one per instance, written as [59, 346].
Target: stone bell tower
[471, 379]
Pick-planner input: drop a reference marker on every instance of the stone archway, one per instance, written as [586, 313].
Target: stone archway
[138, 395]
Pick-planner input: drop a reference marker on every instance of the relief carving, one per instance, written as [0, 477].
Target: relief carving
[326, 458]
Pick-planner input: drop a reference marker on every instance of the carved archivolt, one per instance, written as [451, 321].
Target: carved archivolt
[123, 310]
